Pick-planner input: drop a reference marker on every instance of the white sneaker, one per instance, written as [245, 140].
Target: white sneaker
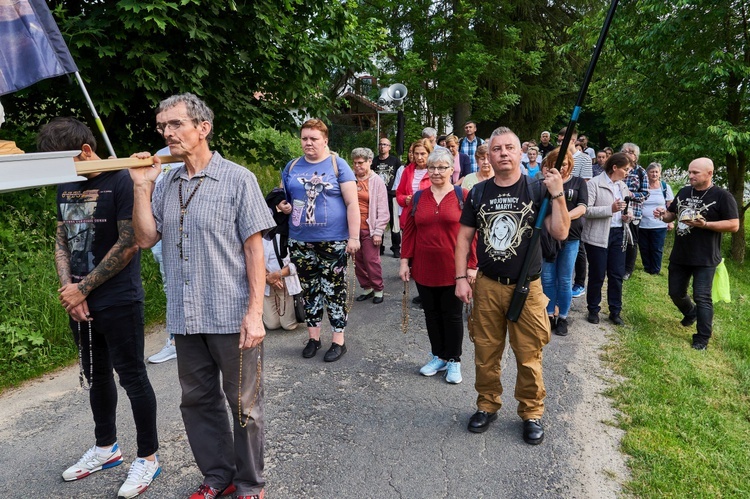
[169, 352]
[92, 461]
[142, 473]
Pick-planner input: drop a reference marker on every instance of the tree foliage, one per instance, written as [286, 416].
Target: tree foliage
[252, 61]
[676, 78]
[498, 62]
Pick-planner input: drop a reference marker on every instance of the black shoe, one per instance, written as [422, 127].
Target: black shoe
[593, 318]
[382, 250]
[552, 323]
[533, 433]
[688, 320]
[616, 319]
[700, 345]
[365, 296]
[311, 348]
[480, 421]
[417, 300]
[562, 327]
[335, 352]
[396, 253]
[377, 299]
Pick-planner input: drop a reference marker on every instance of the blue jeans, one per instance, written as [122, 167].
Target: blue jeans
[117, 343]
[651, 243]
[609, 262]
[703, 308]
[557, 278]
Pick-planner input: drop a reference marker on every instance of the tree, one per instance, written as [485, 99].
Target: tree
[498, 62]
[252, 62]
[676, 78]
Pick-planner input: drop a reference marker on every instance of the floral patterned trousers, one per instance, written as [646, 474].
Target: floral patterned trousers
[321, 267]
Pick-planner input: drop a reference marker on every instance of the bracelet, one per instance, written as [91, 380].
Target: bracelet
[461, 277]
[560, 194]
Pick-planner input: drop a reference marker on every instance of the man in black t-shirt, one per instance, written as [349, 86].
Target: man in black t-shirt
[98, 263]
[545, 146]
[386, 167]
[502, 211]
[702, 211]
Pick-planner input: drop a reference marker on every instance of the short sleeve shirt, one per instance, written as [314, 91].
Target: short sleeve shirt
[576, 194]
[204, 258]
[504, 219]
[693, 245]
[386, 169]
[318, 209]
[90, 212]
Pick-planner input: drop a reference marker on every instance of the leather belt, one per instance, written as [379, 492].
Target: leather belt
[508, 281]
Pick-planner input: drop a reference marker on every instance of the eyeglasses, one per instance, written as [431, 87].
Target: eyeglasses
[359, 162]
[439, 169]
[628, 151]
[384, 145]
[170, 125]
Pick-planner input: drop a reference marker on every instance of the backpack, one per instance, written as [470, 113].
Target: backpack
[664, 190]
[536, 189]
[456, 188]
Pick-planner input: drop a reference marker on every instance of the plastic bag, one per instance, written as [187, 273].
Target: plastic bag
[720, 289]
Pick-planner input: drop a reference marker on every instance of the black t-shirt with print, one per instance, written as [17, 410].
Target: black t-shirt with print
[386, 169]
[692, 245]
[504, 219]
[90, 211]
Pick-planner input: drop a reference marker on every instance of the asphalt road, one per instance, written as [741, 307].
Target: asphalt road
[368, 426]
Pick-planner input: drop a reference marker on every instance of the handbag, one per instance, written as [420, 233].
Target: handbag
[299, 308]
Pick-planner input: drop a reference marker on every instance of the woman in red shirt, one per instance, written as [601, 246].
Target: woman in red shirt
[414, 178]
[428, 245]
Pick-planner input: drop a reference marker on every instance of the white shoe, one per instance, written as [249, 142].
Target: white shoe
[92, 461]
[169, 352]
[454, 372]
[142, 473]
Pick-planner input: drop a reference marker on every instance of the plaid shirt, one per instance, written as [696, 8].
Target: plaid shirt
[470, 148]
[207, 286]
[637, 182]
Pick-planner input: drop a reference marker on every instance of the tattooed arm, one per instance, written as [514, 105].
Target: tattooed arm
[62, 255]
[72, 295]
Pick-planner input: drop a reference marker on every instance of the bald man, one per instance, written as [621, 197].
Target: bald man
[703, 211]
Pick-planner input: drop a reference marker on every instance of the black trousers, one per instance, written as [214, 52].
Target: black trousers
[443, 313]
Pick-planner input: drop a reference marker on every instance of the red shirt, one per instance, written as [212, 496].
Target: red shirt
[429, 239]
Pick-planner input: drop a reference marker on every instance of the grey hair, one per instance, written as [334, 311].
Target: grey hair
[363, 152]
[635, 148]
[440, 156]
[504, 130]
[197, 110]
[653, 166]
[429, 132]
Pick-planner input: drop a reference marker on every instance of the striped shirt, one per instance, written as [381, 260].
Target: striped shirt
[207, 285]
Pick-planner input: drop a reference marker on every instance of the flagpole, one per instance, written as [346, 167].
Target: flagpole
[98, 120]
[521, 292]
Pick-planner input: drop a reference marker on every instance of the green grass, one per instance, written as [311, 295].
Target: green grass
[686, 413]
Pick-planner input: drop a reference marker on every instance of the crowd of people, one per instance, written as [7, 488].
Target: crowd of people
[462, 218]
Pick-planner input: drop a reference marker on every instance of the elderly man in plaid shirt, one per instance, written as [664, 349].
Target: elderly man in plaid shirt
[210, 215]
[637, 182]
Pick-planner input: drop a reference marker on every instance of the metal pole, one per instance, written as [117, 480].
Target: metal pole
[522, 287]
[98, 120]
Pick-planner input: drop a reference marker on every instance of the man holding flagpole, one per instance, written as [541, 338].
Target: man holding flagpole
[210, 215]
[98, 264]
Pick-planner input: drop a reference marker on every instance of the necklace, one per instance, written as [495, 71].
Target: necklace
[692, 193]
[183, 209]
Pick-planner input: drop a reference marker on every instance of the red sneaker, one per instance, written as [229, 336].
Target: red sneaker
[205, 491]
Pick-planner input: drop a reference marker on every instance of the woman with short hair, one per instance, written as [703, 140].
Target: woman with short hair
[603, 235]
[323, 229]
[653, 231]
[372, 195]
[429, 242]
